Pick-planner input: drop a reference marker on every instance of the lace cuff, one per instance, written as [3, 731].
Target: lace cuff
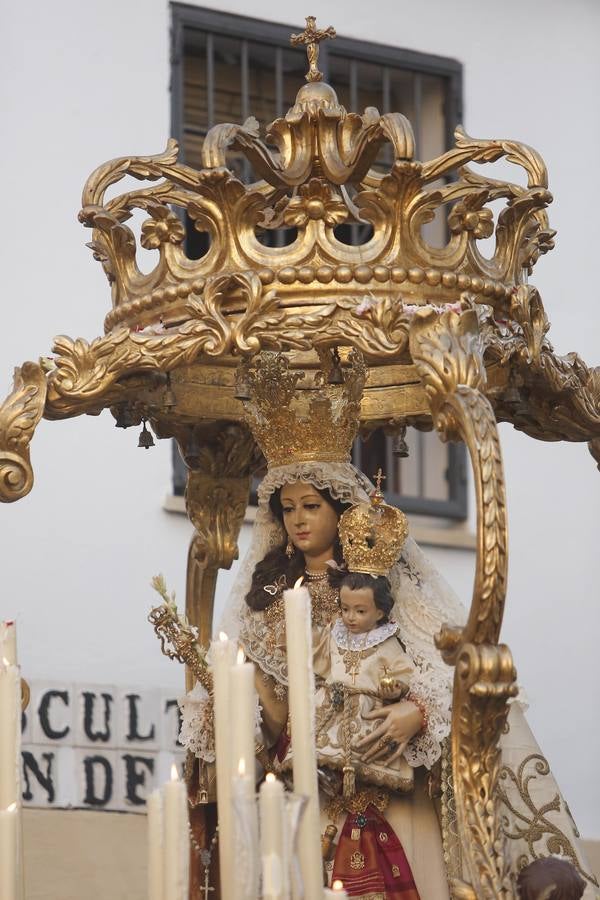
[197, 730]
[197, 733]
[435, 694]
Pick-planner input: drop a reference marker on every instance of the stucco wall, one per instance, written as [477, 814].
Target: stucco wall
[82, 83]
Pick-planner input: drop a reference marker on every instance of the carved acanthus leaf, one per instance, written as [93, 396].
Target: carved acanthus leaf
[19, 416]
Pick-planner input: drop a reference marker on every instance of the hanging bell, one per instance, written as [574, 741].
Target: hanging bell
[335, 375]
[146, 440]
[169, 400]
[399, 445]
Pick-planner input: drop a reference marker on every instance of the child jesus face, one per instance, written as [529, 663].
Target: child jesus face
[359, 613]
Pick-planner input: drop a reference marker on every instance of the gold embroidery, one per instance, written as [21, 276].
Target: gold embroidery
[383, 837]
[358, 803]
[355, 835]
[536, 826]
[395, 871]
[357, 860]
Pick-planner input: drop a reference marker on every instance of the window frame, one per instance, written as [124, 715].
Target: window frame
[186, 18]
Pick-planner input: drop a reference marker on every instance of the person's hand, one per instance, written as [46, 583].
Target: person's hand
[401, 721]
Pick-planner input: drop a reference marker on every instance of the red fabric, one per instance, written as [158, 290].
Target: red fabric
[370, 859]
[281, 747]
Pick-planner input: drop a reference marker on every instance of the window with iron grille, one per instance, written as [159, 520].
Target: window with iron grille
[226, 68]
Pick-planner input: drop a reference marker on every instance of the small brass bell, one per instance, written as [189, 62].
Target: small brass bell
[335, 375]
[399, 445]
[169, 400]
[146, 440]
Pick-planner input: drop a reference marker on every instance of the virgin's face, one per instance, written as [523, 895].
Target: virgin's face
[310, 522]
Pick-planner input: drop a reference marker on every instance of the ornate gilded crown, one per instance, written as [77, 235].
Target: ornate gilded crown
[372, 534]
[317, 422]
[314, 173]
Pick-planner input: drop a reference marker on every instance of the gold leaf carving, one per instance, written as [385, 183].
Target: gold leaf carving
[19, 416]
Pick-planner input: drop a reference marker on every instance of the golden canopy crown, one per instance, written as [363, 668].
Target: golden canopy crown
[315, 171]
[316, 424]
[372, 535]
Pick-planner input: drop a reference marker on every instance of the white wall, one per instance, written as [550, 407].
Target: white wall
[82, 83]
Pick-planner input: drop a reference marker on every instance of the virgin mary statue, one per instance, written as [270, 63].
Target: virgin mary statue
[382, 842]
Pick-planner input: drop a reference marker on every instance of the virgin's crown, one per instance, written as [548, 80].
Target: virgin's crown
[372, 535]
[317, 422]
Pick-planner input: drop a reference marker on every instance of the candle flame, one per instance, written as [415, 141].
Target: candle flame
[5, 661]
[299, 582]
[242, 766]
[338, 885]
[174, 773]
[241, 658]
[270, 778]
[223, 637]
[11, 808]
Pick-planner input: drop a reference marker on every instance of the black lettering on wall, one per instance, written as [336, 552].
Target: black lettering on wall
[135, 777]
[169, 705]
[88, 716]
[90, 764]
[133, 733]
[31, 766]
[44, 713]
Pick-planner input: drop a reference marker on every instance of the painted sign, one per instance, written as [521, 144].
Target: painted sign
[97, 746]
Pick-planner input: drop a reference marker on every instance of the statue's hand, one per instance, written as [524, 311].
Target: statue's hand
[401, 722]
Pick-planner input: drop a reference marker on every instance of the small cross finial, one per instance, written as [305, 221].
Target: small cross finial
[377, 497]
[312, 37]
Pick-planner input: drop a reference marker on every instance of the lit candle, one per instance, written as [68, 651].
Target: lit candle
[222, 653]
[272, 834]
[243, 714]
[155, 846]
[9, 843]
[176, 859]
[336, 892]
[301, 689]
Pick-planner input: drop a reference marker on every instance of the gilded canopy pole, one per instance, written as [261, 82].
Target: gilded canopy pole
[448, 353]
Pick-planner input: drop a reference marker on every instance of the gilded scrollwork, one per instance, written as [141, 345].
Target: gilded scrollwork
[561, 397]
[19, 416]
[447, 350]
[217, 494]
[484, 683]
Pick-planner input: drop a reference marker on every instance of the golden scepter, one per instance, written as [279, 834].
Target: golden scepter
[178, 639]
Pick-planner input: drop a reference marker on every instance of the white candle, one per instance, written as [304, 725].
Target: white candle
[10, 733]
[301, 688]
[9, 842]
[8, 642]
[8, 654]
[246, 844]
[243, 714]
[155, 846]
[223, 652]
[336, 892]
[272, 834]
[176, 859]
